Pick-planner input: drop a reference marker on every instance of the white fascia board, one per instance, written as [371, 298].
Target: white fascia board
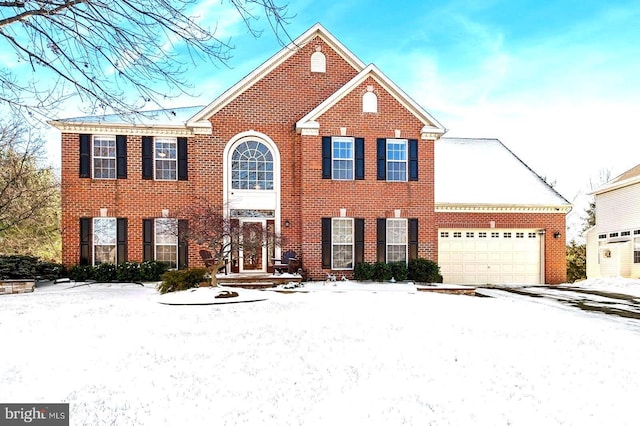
[615, 185]
[273, 62]
[501, 208]
[431, 124]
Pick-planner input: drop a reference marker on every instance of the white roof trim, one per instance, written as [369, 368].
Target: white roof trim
[277, 59]
[500, 208]
[127, 129]
[431, 124]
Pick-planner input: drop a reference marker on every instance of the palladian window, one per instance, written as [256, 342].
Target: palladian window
[252, 166]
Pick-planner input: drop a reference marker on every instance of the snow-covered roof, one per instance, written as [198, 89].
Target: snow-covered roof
[485, 172]
[630, 177]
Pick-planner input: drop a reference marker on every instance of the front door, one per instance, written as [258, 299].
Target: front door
[252, 247]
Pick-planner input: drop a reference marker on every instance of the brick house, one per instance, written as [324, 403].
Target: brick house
[328, 152]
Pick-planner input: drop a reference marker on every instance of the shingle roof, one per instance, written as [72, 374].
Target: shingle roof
[162, 117]
[486, 172]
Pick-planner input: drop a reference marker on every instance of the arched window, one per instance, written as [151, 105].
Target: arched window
[252, 166]
[369, 102]
[318, 62]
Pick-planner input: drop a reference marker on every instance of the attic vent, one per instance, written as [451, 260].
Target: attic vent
[318, 62]
[369, 102]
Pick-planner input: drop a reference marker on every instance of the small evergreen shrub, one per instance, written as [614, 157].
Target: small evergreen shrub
[81, 272]
[183, 279]
[151, 270]
[363, 271]
[381, 271]
[128, 272]
[424, 271]
[399, 270]
[29, 267]
[105, 272]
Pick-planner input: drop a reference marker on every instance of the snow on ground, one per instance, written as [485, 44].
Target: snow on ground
[337, 355]
[617, 285]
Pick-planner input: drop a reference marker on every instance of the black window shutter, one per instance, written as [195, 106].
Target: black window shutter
[147, 157]
[359, 159]
[235, 243]
[121, 240]
[413, 239]
[183, 164]
[326, 243]
[85, 156]
[147, 239]
[183, 244]
[382, 159]
[85, 241]
[121, 156]
[359, 240]
[413, 159]
[326, 157]
[382, 240]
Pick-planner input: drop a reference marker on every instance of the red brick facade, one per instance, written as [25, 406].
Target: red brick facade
[272, 105]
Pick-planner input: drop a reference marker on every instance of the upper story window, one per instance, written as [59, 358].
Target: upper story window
[165, 153]
[318, 62]
[397, 160]
[104, 240]
[636, 250]
[164, 158]
[104, 157]
[397, 239]
[252, 166]
[342, 158]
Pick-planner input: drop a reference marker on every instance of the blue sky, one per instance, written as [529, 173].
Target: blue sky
[558, 82]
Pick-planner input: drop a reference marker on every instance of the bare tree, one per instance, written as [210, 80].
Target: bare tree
[29, 193]
[118, 55]
[212, 229]
[590, 219]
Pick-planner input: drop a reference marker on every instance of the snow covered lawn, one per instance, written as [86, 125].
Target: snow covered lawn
[333, 357]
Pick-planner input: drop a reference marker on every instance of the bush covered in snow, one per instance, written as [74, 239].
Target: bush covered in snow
[182, 279]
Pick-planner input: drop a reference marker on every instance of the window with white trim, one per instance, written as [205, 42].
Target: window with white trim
[104, 240]
[104, 157]
[636, 250]
[342, 157]
[252, 166]
[165, 152]
[397, 160]
[342, 243]
[397, 238]
[166, 241]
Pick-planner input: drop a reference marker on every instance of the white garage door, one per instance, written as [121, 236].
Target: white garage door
[489, 256]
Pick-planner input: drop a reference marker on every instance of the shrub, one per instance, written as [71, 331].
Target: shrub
[29, 267]
[151, 270]
[381, 271]
[81, 272]
[363, 271]
[181, 280]
[424, 270]
[398, 270]
[104, 272]
[128, 272]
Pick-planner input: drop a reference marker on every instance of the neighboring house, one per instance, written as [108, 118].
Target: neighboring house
[613, 244]
[325, 150]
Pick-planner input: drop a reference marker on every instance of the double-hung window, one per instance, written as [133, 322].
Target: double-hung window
[104, 240]
[342, 243]
[104, 157]
[397, 160]
[636, 250]
[397, 238]
[166, 158]
[342, 158]
[166, 241]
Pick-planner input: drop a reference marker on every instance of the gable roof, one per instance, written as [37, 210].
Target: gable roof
[483, 174]
[431, 126]
[256, 75]
[630, 177]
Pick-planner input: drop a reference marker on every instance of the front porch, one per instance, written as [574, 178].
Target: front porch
[256, 280]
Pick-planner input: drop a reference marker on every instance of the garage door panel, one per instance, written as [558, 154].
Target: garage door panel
[489, 256]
